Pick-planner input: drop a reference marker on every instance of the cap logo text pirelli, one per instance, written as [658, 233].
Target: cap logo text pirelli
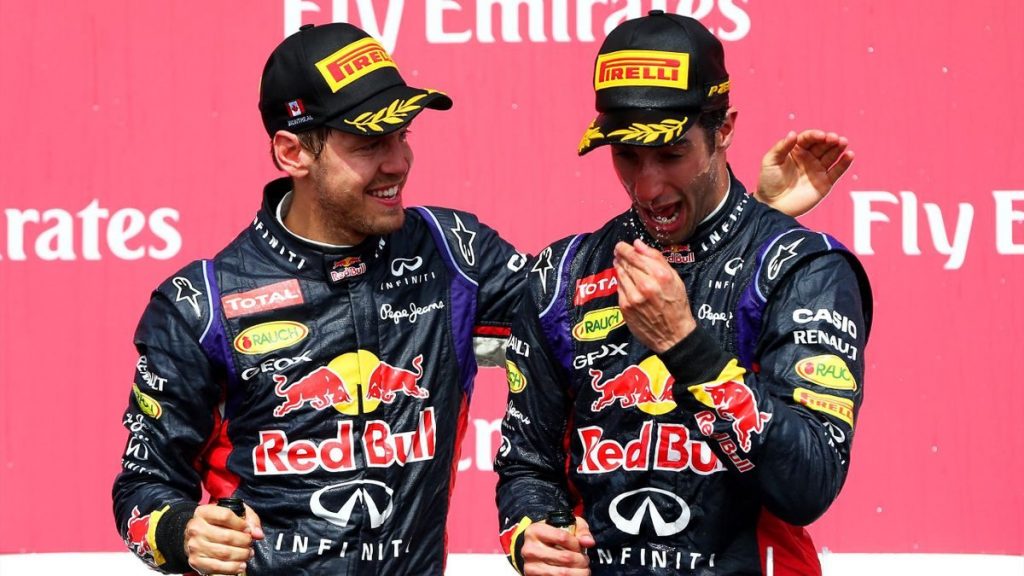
[353, 62]
[642, 68]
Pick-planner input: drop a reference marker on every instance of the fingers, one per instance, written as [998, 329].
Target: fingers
[840, 167]
[216, 558]
[219, 542]
[218, 516]
[831, 153]
[777, 154]
[639, 256]
[583, 535]
[550, 550]
[213, 566]
[252, 519]
[827, 147]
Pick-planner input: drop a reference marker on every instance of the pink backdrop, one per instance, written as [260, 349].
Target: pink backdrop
[133, 145]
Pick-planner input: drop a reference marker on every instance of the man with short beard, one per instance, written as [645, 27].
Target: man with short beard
[689, 374]
[320, 367]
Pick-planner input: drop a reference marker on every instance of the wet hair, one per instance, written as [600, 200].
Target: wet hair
[710, 121]
[312, 140]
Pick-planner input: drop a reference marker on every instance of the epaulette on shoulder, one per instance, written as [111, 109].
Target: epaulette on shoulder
[786, 252]
[550, 270]
[193, 291]
[457, 232]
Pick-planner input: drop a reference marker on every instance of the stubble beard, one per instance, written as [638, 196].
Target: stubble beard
[344, 212]
[705, 184]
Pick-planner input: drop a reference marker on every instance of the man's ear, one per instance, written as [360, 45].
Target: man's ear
[723, 138]
[289, 155]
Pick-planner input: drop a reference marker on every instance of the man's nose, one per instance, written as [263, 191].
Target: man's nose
[646, 187]
[397, 160]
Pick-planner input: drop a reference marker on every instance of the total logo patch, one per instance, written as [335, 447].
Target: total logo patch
[597, 324]
[826, 370]
[270, 336]
[271, 297]
[516, 379]
[604, 283]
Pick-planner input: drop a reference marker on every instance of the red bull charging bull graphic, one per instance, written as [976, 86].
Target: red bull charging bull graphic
[138, 527]
[732, 400]
[322, 387]
[387, 380]
[348, 379]
[646, 386]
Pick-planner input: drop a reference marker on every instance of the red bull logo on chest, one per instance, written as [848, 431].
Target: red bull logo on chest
[349, 383]
[646, 386]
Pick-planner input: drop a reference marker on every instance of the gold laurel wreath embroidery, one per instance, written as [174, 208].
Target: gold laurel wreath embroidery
[394, 113]
[667, 129]
[592, 133]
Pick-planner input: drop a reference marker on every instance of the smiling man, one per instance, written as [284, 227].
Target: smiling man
[689, 380]
[320, 366]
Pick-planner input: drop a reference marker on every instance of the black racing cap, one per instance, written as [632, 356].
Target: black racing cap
[653, 76]
[339, 76]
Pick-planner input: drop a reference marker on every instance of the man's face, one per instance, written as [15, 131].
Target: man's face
[672, 187]
[358, 182]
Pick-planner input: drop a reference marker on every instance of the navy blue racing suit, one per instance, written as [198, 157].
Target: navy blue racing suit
[326, 388]
[710, 457]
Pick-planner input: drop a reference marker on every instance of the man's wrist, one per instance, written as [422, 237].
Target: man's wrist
[170, 537]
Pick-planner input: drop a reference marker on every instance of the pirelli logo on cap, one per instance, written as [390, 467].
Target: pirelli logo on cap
[642, 68]
[353, 62]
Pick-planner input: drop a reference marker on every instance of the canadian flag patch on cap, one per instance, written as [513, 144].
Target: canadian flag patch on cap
[295, 108]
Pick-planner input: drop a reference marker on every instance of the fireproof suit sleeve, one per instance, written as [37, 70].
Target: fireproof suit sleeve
[531, 459]
[501, 284]
[793, 434]
[172, 412]
[483, 257]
